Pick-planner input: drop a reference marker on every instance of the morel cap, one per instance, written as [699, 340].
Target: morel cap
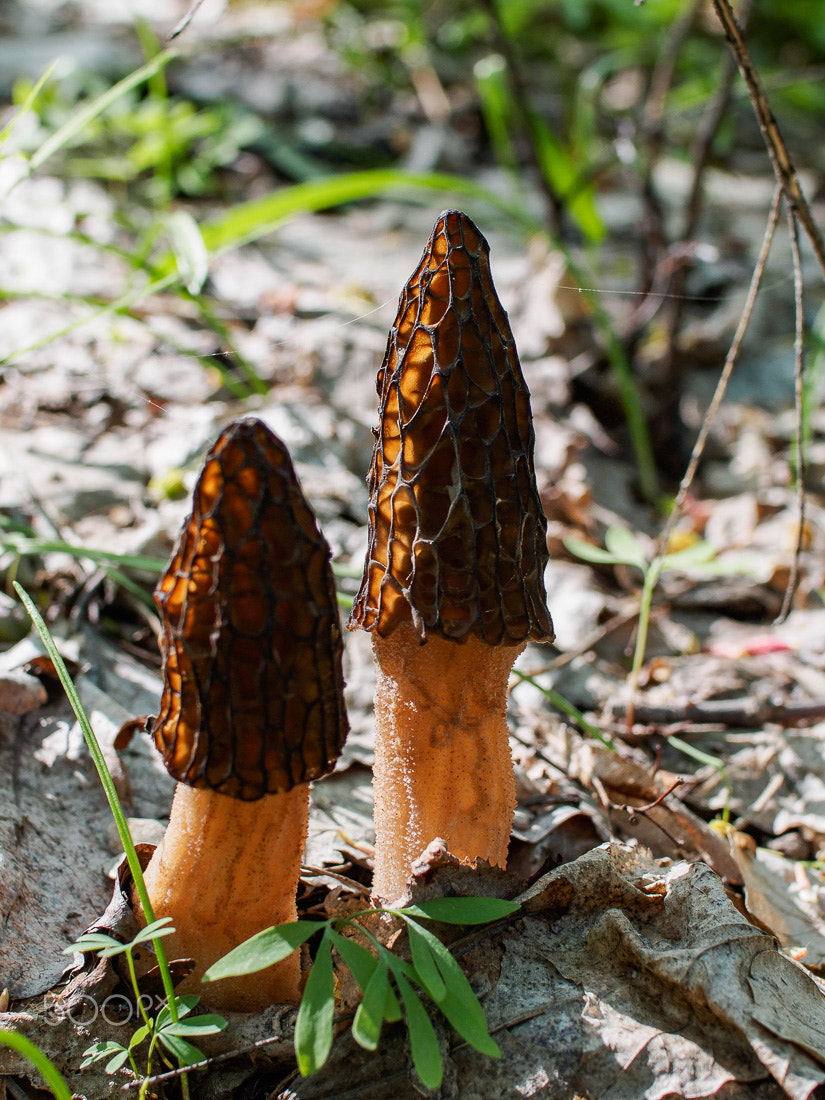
[251, 641]
[457, 537]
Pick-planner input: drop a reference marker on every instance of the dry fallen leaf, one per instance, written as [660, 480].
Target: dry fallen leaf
[784, 896]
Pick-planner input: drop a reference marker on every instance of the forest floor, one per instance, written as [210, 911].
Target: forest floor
[667, 950]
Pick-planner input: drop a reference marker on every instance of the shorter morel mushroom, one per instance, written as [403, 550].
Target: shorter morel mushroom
[453, 584]
[252, 709]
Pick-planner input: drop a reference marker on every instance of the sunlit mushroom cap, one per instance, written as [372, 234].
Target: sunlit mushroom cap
[251, 640]
[457, 540]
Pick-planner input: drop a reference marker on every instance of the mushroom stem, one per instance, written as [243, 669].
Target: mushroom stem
[442, 754]
[227, 869]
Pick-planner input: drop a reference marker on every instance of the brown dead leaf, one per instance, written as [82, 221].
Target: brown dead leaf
[783, 896]
[669, 828]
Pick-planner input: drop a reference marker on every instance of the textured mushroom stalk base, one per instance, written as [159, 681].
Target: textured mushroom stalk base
[442, 753]
[216, 873]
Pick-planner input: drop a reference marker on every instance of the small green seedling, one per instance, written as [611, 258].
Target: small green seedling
[382, 978]
[155, 929]
[622, 547]
[172, 1035]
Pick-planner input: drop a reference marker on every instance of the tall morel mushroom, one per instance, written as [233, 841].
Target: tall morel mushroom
[453, 584]
[252, 708]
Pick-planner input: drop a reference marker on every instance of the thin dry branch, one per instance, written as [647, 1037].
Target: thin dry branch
[799, 362]
[724, 378]
[782, 165]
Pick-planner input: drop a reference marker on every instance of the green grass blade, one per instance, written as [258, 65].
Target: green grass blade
[44, 1066]
[119, 305]
[313, 1028]
[27, 547]
[250, 220]
[106, 781]
[263, 949]
[560, 703]
[26, 105]
[426, 1054]
[80, 119]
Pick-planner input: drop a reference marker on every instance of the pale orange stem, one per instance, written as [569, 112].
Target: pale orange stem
[442, 754]
[227, 869]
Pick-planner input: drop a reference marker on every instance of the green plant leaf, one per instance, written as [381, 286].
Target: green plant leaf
[625, 547]
[263, 949]
[138, 1037]
[95, 942]
[98, 1051]
[463, 1010]
[426, 1054]
[459, 1003]
[463, 910]
[201, 1025]
[313, 1028]
[79, 120]
[186, 1053]
[700, 553]
[361, 962]
[427, 973]
[183, 1004]
[114, 1064]
[369, 1017]
[587, 552]
[160, 927]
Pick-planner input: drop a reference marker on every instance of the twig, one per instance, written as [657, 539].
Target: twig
[187, 19]
[350, 883]
[634, 812]
[724, 378]
[782, 165]
[740, 713]
[799, 361]
[227, 1056]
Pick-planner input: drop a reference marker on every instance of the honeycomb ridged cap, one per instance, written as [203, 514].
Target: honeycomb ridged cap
[251, 641]
[457, 534]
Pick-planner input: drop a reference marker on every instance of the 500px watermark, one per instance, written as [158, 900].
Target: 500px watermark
[116, 1010]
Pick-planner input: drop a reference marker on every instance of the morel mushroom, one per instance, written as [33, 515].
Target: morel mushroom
[453, 584]
[252, 709]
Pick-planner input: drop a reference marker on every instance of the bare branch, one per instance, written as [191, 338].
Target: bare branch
[782, 165]
[724, 378]
[799, 362]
